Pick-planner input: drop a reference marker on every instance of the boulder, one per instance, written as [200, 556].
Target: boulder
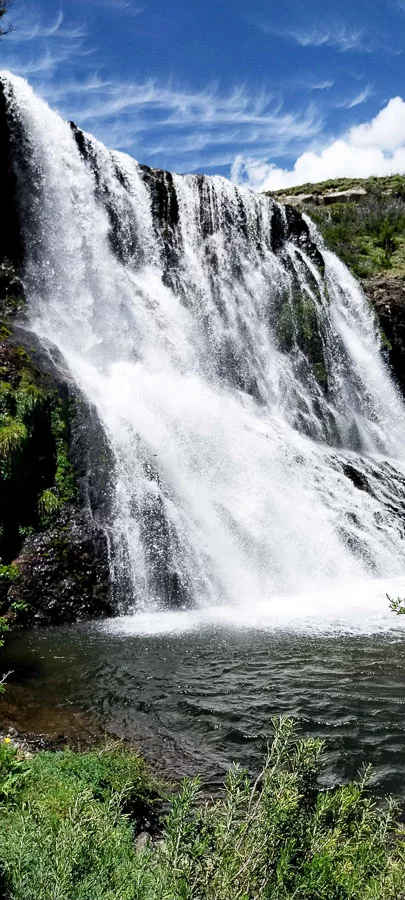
[63, 573]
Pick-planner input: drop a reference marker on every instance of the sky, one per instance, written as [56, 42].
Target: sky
[271, 94]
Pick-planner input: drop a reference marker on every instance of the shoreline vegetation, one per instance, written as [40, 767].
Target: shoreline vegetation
[100, 825]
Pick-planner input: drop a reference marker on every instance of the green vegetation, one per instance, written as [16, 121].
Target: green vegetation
[297, 324]
[69, 822]
[36, 474]
[392, 184]
[397, 605]
[49, 506]
[368, 234]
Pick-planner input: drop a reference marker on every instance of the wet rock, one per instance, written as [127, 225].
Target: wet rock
[12, 298]
[298, 233]
[387, 296]
[10, 233]
[63, 573]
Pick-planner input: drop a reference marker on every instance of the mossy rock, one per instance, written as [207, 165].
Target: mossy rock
[34, 448]
[298, 326]
[62, 574]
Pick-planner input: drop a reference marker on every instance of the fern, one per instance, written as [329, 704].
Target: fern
[12, 437]
[48, 505]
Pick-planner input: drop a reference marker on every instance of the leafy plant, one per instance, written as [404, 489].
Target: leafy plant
[67, 829]
[397, 605]
[13, 770]
[12, 436]
[48, 506]
[9, 573]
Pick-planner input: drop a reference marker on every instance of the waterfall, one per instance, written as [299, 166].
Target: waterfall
[257, 438]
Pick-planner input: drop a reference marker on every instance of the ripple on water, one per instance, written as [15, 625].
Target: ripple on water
[199, 700]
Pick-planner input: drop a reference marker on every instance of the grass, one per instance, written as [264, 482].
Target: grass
[367, 234]
[393, 184]
[68, 824]
[13, 434]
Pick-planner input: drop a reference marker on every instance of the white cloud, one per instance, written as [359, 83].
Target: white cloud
[373, 148]
[386, 131]
[169, 118]
[358, 98]
[36, 49]
[340, 37]
[164, 121]
[318, 34]
[27, 26]
[126, 6]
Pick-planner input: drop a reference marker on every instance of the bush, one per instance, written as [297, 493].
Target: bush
[67, 823]
[369, 235]
[67, 830]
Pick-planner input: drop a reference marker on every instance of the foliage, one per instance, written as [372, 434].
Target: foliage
[390, 184]
[397, 605]
[68, 822]
[12, 437]
[12, 770]
[48, 506]
[368, 233]
[36, 473]
[369, 236]
[9, 573]
[65, 475]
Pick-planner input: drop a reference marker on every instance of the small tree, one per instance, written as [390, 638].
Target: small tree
[4, 7]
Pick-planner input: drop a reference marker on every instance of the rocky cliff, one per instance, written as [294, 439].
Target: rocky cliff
[363, 221]
[53, 549]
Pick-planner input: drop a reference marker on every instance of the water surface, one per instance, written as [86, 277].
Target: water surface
[196, 701]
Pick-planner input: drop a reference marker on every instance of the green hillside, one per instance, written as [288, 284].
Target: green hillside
[367, 232]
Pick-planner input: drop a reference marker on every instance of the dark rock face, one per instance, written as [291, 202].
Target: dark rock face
[298, 233]
[10, 236]
[54, 559]
[63, 573]
[387, 296]
[53, 550]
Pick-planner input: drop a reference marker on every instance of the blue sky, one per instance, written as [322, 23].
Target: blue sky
[271, 93]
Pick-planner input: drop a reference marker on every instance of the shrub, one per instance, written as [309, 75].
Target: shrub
[48, 507]
[12, 436]
[68, 823]
[369, 235]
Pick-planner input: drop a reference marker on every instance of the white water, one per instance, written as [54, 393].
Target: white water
[229, 480]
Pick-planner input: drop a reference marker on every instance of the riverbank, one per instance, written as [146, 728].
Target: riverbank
[99, 824]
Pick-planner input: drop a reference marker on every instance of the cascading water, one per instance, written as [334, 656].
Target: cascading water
[256, 435]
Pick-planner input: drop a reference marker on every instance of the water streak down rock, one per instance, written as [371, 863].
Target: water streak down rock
[234, 367]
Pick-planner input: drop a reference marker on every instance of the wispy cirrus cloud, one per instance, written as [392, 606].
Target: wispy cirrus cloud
[168, 118]
[154, 118]
[28, 26]
[38, 48]
[125, 6]
[165, 121]
[358, 98]
[318, 34]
